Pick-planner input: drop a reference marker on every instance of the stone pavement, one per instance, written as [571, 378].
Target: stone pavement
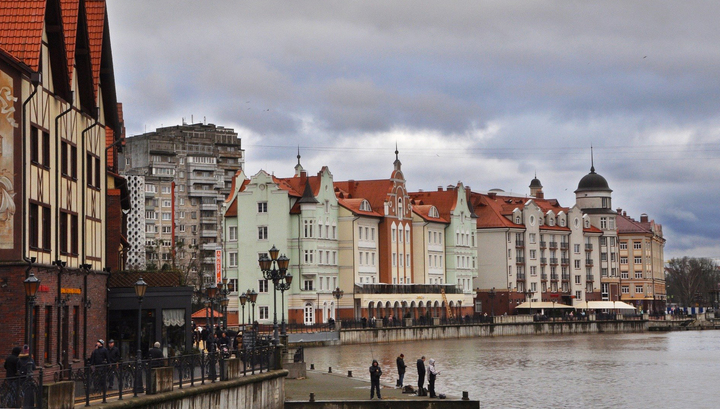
[337, 386]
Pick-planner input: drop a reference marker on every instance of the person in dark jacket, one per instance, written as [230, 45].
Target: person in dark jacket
[156, 356]
[114, 352]
[11, 363]
[375, 373]
[421, 374]
[100, 356]
[401, 369]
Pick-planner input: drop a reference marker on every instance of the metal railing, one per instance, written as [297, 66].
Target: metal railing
[22, 391]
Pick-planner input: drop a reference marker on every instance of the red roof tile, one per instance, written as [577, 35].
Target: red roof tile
[489, 213]
[374, 191]
[424, 212]
[21, 28]
[95, 11]
[445, 201]
[70, 10]
[354, 206]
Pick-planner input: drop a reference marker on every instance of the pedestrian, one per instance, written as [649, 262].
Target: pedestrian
[25, 367]
[375, 373]
[401, 369]
[11, 363]
[421, 375]
[364, 322]
[431, 378]
[100, 356]
[156, 356]
[114, 352]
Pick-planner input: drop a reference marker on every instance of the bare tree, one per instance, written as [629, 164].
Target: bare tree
[691, 280]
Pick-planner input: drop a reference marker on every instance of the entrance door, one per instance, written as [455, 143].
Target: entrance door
[65, 337]
[309, 314]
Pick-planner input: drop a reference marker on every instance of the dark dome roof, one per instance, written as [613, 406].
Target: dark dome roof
[593, 182]
[535, 183]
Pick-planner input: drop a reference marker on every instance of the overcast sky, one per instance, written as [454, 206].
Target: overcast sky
[483, 92]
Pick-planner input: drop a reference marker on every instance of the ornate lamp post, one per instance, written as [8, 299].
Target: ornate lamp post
[275, 269]
[337, 294]
[211, 291]
[31, 286]
[140, 288]
[243, 300]
[252, 295]
[283, 286]
[530, 294]
[491, 296]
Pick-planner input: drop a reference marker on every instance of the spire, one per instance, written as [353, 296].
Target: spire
[396, 151]
[298, 168]
[308, 196]
[397, 158]
[592, 160]
[298, 155]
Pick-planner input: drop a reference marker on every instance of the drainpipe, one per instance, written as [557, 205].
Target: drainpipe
[354, 266]
[58, 174]
[35, 80]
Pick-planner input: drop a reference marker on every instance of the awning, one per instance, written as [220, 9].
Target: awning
[542, 304]
[603, 305]
[206, 313]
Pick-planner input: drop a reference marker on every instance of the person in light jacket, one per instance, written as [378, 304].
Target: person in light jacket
[432, 374]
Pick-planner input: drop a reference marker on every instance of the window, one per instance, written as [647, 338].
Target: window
[407, 262]
[533, 254]
[262, 207]
[638, 260]
[263, 286]
[638, 289]
[577, 263]
[308, 228]
[167, 216]
[309, 256]
[578, 295]
[232, 233]
[533, 270]
[262, 233]
[624, 274]
[638, 274]
[577, 279]
[394, 259]
[166, 190]
[365, 206]
[166, 203]
[393, 234]
[181, 228]
[407, 234]
[263, 312]
[603, 223]
[233, 259]
[307, 285]
[623, 260]
[576, 248]
[531, 238]
[623, 245]
[637, 245]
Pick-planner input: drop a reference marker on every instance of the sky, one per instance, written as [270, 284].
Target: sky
[487, 93]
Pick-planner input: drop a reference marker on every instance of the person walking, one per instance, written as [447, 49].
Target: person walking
[156, 356]
[433, 373]
[421, 375]
[100, 356]
[11, 363]
[375, 373]
[401, 369]
[114, 353]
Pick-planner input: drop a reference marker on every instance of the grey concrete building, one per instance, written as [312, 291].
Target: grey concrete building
[185, 172]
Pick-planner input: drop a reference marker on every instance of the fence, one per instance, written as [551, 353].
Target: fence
[98, 382]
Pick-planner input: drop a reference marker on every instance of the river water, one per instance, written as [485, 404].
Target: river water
[647, 370]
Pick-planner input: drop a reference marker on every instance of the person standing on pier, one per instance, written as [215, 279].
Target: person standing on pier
[421, 374]
[375, 373]
[401, 369]
[431, 378]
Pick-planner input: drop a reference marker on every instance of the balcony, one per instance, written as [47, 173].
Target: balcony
[543, 277]
[588, 262]
[208, 246]
[543, 260]
[553, 261]
[520, 276]
[590, 278]
[193, 191]
[520, 243]
[407, 289]
[564, 246]
[588, 247]
[520, 259]
[566, 277]
[543, 244]
[208, 233]
[209, 206]
[554, 277]
[553, 245]
[565, 261]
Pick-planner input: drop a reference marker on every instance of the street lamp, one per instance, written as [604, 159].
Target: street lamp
[337, 294]
[211, 291]
[140, 288]
[530, 293]
[252, 295]
[282, 286]
[31, 286]
[275, 270]
[491, 296]
[243, 300]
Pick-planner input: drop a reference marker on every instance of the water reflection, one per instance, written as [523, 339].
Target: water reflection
[593, 370]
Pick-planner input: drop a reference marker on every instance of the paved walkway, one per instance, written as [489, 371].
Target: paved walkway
[336, 386]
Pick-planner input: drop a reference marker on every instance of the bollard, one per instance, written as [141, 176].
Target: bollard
[329, 369]
[312, 397]
[465, 396]
[349, 374]
[312, 367]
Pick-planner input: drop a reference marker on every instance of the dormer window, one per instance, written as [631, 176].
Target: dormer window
[434, 212]
[365, 206]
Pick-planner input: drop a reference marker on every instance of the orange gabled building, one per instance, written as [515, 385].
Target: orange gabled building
[59, 125]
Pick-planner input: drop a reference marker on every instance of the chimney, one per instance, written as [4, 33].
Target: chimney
[540, 194]
[644, 218]
[492, 195]
[440, 189]
[619, 210]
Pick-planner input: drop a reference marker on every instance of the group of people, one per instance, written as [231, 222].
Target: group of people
[431, 371]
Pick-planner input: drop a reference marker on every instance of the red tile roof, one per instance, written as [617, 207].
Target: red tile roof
[21, 29]
[444, 200]
[70, 10]
[95, 11]
[354, 206]
[424, 212]
[153, 279]
[489, 213]
[374, 191]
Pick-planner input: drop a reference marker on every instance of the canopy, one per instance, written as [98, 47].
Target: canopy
[603, 305]
[542, 304]
[205, 312]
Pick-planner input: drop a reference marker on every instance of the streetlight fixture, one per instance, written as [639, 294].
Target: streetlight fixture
[337, 294]
[31, 284]
[275, 269]
[243, 300]
[252, 295]
[140, 288]
[530, 293]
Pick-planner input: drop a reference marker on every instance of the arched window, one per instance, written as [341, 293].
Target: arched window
[434, 212]
[365, 206]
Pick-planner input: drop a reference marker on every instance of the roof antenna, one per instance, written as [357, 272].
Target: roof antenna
[592, 160]
[396, 151]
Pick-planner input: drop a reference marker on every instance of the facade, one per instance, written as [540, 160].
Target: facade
[534, 250]
[181, 176]
[60, 198]
[641, 247]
